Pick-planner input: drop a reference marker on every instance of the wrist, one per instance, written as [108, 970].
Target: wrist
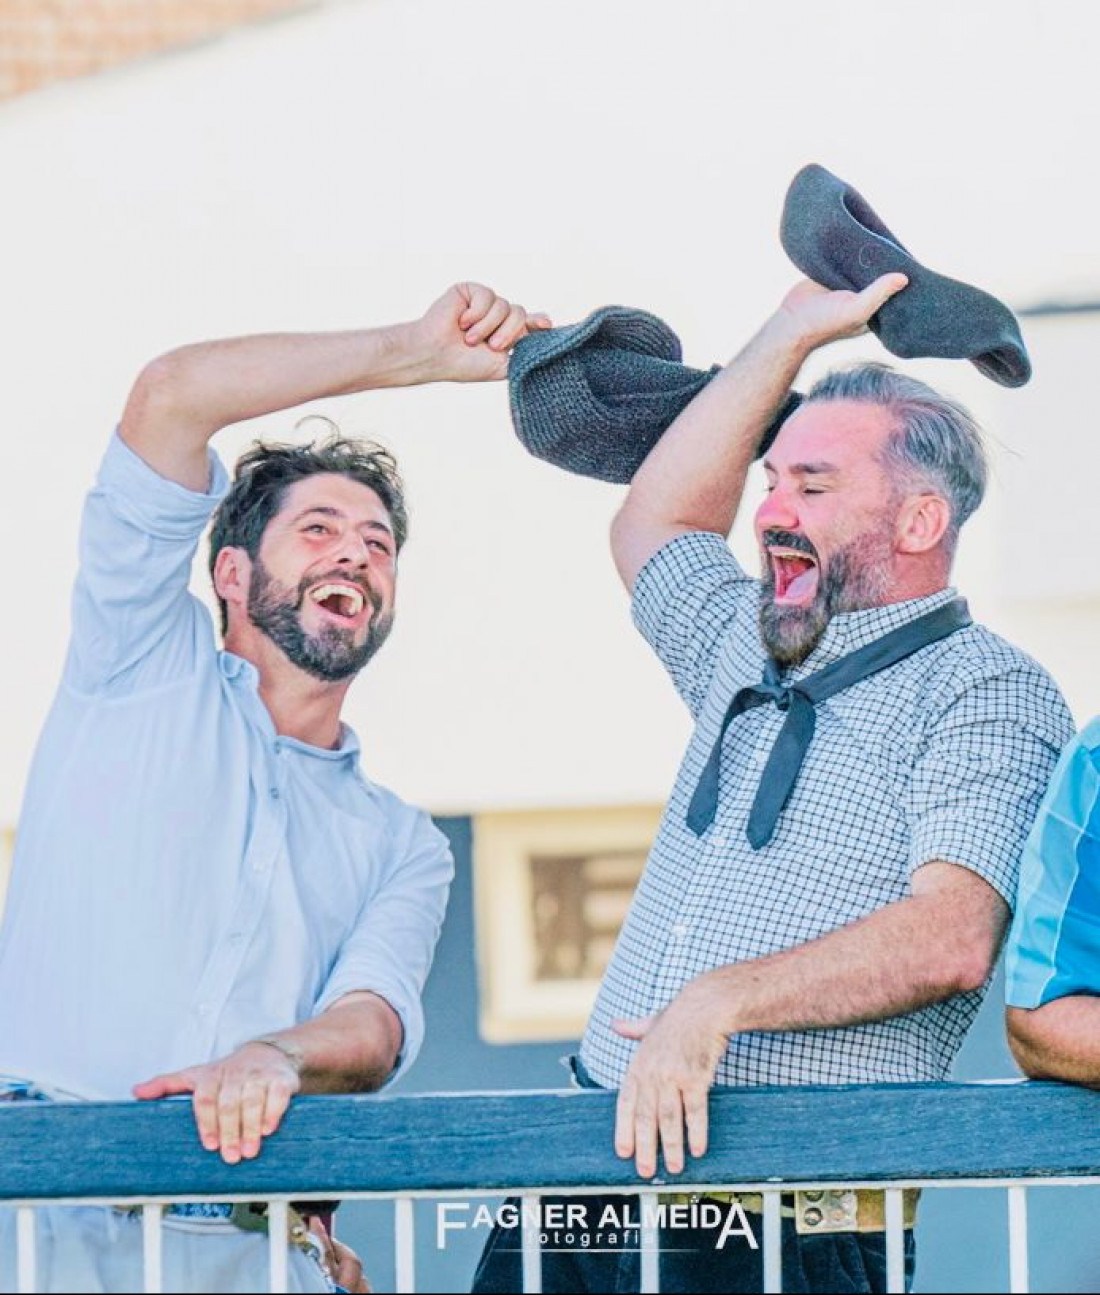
[293, 1053]
[787, 333]
[715, 998]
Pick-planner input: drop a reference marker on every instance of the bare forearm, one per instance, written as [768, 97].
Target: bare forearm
[351, 1048]
[901, 958]
[181, 399]
[222, 382]
[1060, 1040]
[694, 477]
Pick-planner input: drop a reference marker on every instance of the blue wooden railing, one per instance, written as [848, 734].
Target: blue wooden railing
[892, 1135]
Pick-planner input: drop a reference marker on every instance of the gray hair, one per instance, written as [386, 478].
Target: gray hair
[935, 444]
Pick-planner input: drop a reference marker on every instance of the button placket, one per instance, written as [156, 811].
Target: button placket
[257, 876]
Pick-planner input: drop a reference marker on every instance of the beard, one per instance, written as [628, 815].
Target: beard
[331, 655]
[857, 576]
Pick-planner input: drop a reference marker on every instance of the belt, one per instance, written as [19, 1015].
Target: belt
[819, 1211]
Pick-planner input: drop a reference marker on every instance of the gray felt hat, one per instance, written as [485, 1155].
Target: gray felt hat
[831, 233]
[595, 397]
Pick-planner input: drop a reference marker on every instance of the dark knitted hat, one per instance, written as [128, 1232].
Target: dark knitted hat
[595, 397]
[830, 232]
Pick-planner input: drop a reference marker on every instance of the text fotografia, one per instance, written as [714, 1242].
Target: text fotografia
[599, 1224]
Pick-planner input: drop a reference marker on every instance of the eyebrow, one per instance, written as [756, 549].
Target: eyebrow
[818, 468]
[327, 510]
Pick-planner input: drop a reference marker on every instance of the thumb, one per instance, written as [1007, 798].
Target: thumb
[636, 1029]
[877, 294]
[163, 1086]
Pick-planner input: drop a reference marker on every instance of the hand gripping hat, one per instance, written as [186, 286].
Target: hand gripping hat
[830, 232]
[595, 397]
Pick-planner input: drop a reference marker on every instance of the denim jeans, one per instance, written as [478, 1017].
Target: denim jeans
[693, 1260]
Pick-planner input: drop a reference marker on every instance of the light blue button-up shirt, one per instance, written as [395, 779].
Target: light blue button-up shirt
[184, 878]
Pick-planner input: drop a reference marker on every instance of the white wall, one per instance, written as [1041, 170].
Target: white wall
[342, 166]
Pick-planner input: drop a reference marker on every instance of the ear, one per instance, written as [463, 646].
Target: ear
[232, 575]
[923, 521]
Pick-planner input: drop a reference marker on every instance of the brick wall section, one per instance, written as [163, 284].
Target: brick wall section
[47, 40]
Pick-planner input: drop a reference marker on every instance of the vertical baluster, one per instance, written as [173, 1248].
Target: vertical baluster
[1019, 1282]
[650, 1256]
[26, 1251]
[895, 1240]
[404, 1246]
[277, 1233]
[530, 1211]
[773, 1243]
[152, 1248]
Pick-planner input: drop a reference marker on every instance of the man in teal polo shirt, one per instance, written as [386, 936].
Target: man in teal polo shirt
[1053, 957]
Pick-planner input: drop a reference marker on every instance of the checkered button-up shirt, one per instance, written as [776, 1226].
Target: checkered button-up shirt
[943, 756]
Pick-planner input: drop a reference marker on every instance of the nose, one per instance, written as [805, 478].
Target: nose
[778, 511]
[352, 549]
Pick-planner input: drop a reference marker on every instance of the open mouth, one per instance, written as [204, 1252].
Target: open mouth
[795, 574]
[343, 602]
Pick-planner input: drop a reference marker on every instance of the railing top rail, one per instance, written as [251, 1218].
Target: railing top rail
[478, 1141]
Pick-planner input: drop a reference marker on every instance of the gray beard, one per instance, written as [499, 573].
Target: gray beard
[857, 577]
[332, 655]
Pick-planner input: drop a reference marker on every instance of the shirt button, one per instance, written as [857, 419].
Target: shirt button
[274, 793]
[235, 937]
[679, 929]
[203, 1009]
[719, 842]
[259, 865]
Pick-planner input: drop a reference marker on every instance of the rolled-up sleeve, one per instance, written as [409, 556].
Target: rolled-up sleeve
[134, 623]
[686, 598]
[391, 948]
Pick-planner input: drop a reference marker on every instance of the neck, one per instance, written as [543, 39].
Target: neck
[300, 705]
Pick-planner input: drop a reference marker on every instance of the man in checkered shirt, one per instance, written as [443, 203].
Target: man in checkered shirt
[857, 943]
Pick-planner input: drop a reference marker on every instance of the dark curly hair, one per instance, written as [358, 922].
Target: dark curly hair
[265, 472]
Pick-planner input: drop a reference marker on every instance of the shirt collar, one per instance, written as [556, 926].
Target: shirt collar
[246, 679]
[849, 631]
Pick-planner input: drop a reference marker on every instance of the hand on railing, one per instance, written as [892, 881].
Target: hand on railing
[237, 1101]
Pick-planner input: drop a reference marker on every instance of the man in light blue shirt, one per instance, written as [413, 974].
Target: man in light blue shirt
[208, 895]
[1052, 961]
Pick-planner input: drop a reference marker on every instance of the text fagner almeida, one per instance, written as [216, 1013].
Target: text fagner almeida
[586, 1225]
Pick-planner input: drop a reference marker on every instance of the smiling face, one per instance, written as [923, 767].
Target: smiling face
[828, 527]
[322, 585]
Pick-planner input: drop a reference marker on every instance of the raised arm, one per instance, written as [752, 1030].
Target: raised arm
[693, 478]
[182, 398]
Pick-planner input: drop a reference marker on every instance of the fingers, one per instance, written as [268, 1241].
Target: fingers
[670, 1121]
[253, 1112]
[496, 314]
[493, 320]
[237, 1102]
[625, 1111]
[227, 1105]
[648, 1118]
[697, 1119]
